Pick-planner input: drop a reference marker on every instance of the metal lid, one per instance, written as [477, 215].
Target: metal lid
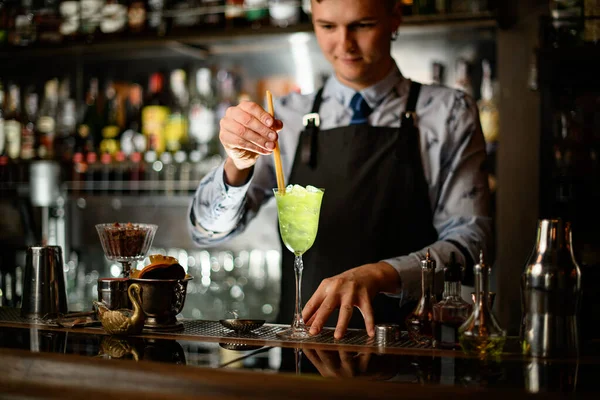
[428, 262]
[387, 333]
[481, 266]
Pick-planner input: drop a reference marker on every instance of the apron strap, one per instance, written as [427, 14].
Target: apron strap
[311, 129]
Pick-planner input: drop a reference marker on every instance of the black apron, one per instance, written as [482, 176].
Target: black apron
[376, 205]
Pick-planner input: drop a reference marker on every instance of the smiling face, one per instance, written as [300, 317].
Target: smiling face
[354, 36]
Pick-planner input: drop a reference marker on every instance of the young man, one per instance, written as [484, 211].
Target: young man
[402, 165]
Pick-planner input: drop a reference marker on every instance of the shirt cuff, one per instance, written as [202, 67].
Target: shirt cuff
[409, 269]
[232, 192]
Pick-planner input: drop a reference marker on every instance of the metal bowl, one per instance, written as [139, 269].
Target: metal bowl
[162, 300]
[242, 325]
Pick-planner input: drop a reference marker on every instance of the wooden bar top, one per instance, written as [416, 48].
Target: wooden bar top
[42, 362]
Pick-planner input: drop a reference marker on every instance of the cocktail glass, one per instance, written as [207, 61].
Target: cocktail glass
[298, 211]
[126, 242]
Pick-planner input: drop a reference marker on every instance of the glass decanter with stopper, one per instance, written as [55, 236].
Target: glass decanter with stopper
[481, 335]
[450, 313]
[419, 322]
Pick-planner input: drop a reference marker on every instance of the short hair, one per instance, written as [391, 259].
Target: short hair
[389, 3]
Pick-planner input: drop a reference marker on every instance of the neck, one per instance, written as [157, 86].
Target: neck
[452, 289]
[368, 81]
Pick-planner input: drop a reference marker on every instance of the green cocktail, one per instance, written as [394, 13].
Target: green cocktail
[298, 211]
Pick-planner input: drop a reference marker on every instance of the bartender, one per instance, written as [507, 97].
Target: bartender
[402, 165]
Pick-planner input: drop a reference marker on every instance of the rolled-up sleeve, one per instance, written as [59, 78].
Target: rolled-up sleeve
[461, 205]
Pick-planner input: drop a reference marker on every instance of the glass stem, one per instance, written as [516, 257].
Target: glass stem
[126, 268]
[298, 267]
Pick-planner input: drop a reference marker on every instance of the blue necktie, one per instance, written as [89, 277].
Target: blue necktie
[360, 109]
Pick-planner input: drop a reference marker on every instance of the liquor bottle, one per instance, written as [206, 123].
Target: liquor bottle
[132, 139]
[235, 15]
[480, 335]
[2, 133]
[202, 117]
[88, 132]
[4, 24]
[213, 14]
[28, 133]
[419, 323]
[168, 173]
[176, 130]
[120, 176]
[257, 13]
[70, 11]
[567, 22]
[437, 73]
[452, 311]
[284, 12]
[407, 7]
[110, 126]
[463, 77]
[78, 173]
[136, 16]
[185, 16]
[24, 31]
[46, 123]
[114, 18]
[48, 20]
[104, 173]
[91, 172]
[157, 23]
[136, 172]
[488, 110]
[12, 122]
[155, 113]
[91, 17]
[66, 123]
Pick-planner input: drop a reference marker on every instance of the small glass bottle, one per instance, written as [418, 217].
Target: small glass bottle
[419, 322]
[481, 335]
[450, 313]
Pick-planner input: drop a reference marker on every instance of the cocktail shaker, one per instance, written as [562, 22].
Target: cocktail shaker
[44, 290]
[551, 291]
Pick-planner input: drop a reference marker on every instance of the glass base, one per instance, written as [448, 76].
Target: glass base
[296, 333]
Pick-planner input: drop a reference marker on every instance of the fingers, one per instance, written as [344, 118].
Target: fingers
[249, 127]
[325, 310]
[313, 304]
[343, 319]
[367, 312]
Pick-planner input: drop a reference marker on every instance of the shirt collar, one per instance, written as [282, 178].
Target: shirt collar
[374, 94]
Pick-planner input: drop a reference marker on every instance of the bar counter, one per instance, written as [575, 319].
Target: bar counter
[43, 361]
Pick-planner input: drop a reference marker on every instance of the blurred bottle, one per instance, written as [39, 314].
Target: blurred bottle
[157, 23]
[185, 16]
[28, 139]
[91, 172]
[46, 123]
[257, 13]
[104, 173]
[12, 122]
[70, 12]
[4, 24]
[176, 130]
[152, 170]
[155, 113]
[136, 172]
[463, 76]
[78, 173]
[235, 15]
[110, 126]
[437, 73]
[48, 20]
[66, 123]
[114, 18]
[120, 175]
[202, 117]
[2, 132]
[167, 175]
[450, 313]
[488, 110]
[284, 12]
[307, 8]
[567, 22]
[24, 31]
[214, 14]
[137, 14]
[132, 139]
[407, 7]
[88, 131]
[91, 17]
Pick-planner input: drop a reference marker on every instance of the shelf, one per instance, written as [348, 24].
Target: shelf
[197, 44]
